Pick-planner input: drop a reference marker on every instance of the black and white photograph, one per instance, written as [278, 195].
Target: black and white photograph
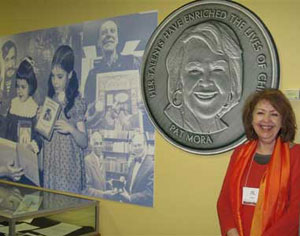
[96, 139]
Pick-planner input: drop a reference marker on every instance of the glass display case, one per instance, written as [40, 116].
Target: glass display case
[27, 211]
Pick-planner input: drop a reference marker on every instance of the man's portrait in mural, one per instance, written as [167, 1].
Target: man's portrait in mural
[205, 69]
[111, 60]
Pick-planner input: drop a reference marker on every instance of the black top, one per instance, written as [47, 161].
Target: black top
[262, 159]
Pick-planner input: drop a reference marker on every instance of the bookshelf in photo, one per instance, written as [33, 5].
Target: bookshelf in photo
[116, 152]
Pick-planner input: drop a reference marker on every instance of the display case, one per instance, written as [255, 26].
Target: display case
[28, 211]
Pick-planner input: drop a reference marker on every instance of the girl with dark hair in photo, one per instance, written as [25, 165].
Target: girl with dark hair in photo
[21, 117]
[63, 154]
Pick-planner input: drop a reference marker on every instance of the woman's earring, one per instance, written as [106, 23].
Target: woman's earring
[177, 98]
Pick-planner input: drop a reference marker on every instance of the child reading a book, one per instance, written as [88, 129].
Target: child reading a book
[63, 155]
[21, 117]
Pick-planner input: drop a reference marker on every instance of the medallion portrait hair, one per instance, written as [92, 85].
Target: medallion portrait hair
[205, 68]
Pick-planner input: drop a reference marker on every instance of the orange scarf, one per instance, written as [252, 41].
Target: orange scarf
[273, 189]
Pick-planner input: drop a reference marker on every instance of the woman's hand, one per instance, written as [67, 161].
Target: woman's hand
[64, 127]
[78, 131]
[232, 232]
[15, 172]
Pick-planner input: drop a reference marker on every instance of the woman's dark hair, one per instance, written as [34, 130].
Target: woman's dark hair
[281, 104]
[64, 58]
[25, 71]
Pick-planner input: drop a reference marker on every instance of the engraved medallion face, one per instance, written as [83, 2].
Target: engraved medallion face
[200, 65]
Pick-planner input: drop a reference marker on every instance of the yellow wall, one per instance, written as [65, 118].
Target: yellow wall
[186, 185]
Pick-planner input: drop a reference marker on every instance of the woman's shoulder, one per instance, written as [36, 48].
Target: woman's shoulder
[295, 150]
[174, 114]
[295, 147]
[79, 106]
[79, 100]
[295, 154]
[241, 146]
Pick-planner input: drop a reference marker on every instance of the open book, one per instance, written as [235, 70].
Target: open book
[18, 154]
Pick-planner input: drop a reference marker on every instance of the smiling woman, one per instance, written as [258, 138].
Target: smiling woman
[204, 77]
[260, 193]
[266, 124]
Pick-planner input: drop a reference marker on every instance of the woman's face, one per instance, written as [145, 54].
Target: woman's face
[22, 89]
[59, 78]
[205, 79]
[266, 121]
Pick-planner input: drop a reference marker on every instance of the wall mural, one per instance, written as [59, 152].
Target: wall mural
[71, 111]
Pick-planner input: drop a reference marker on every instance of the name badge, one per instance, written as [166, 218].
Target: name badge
[250, 196]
